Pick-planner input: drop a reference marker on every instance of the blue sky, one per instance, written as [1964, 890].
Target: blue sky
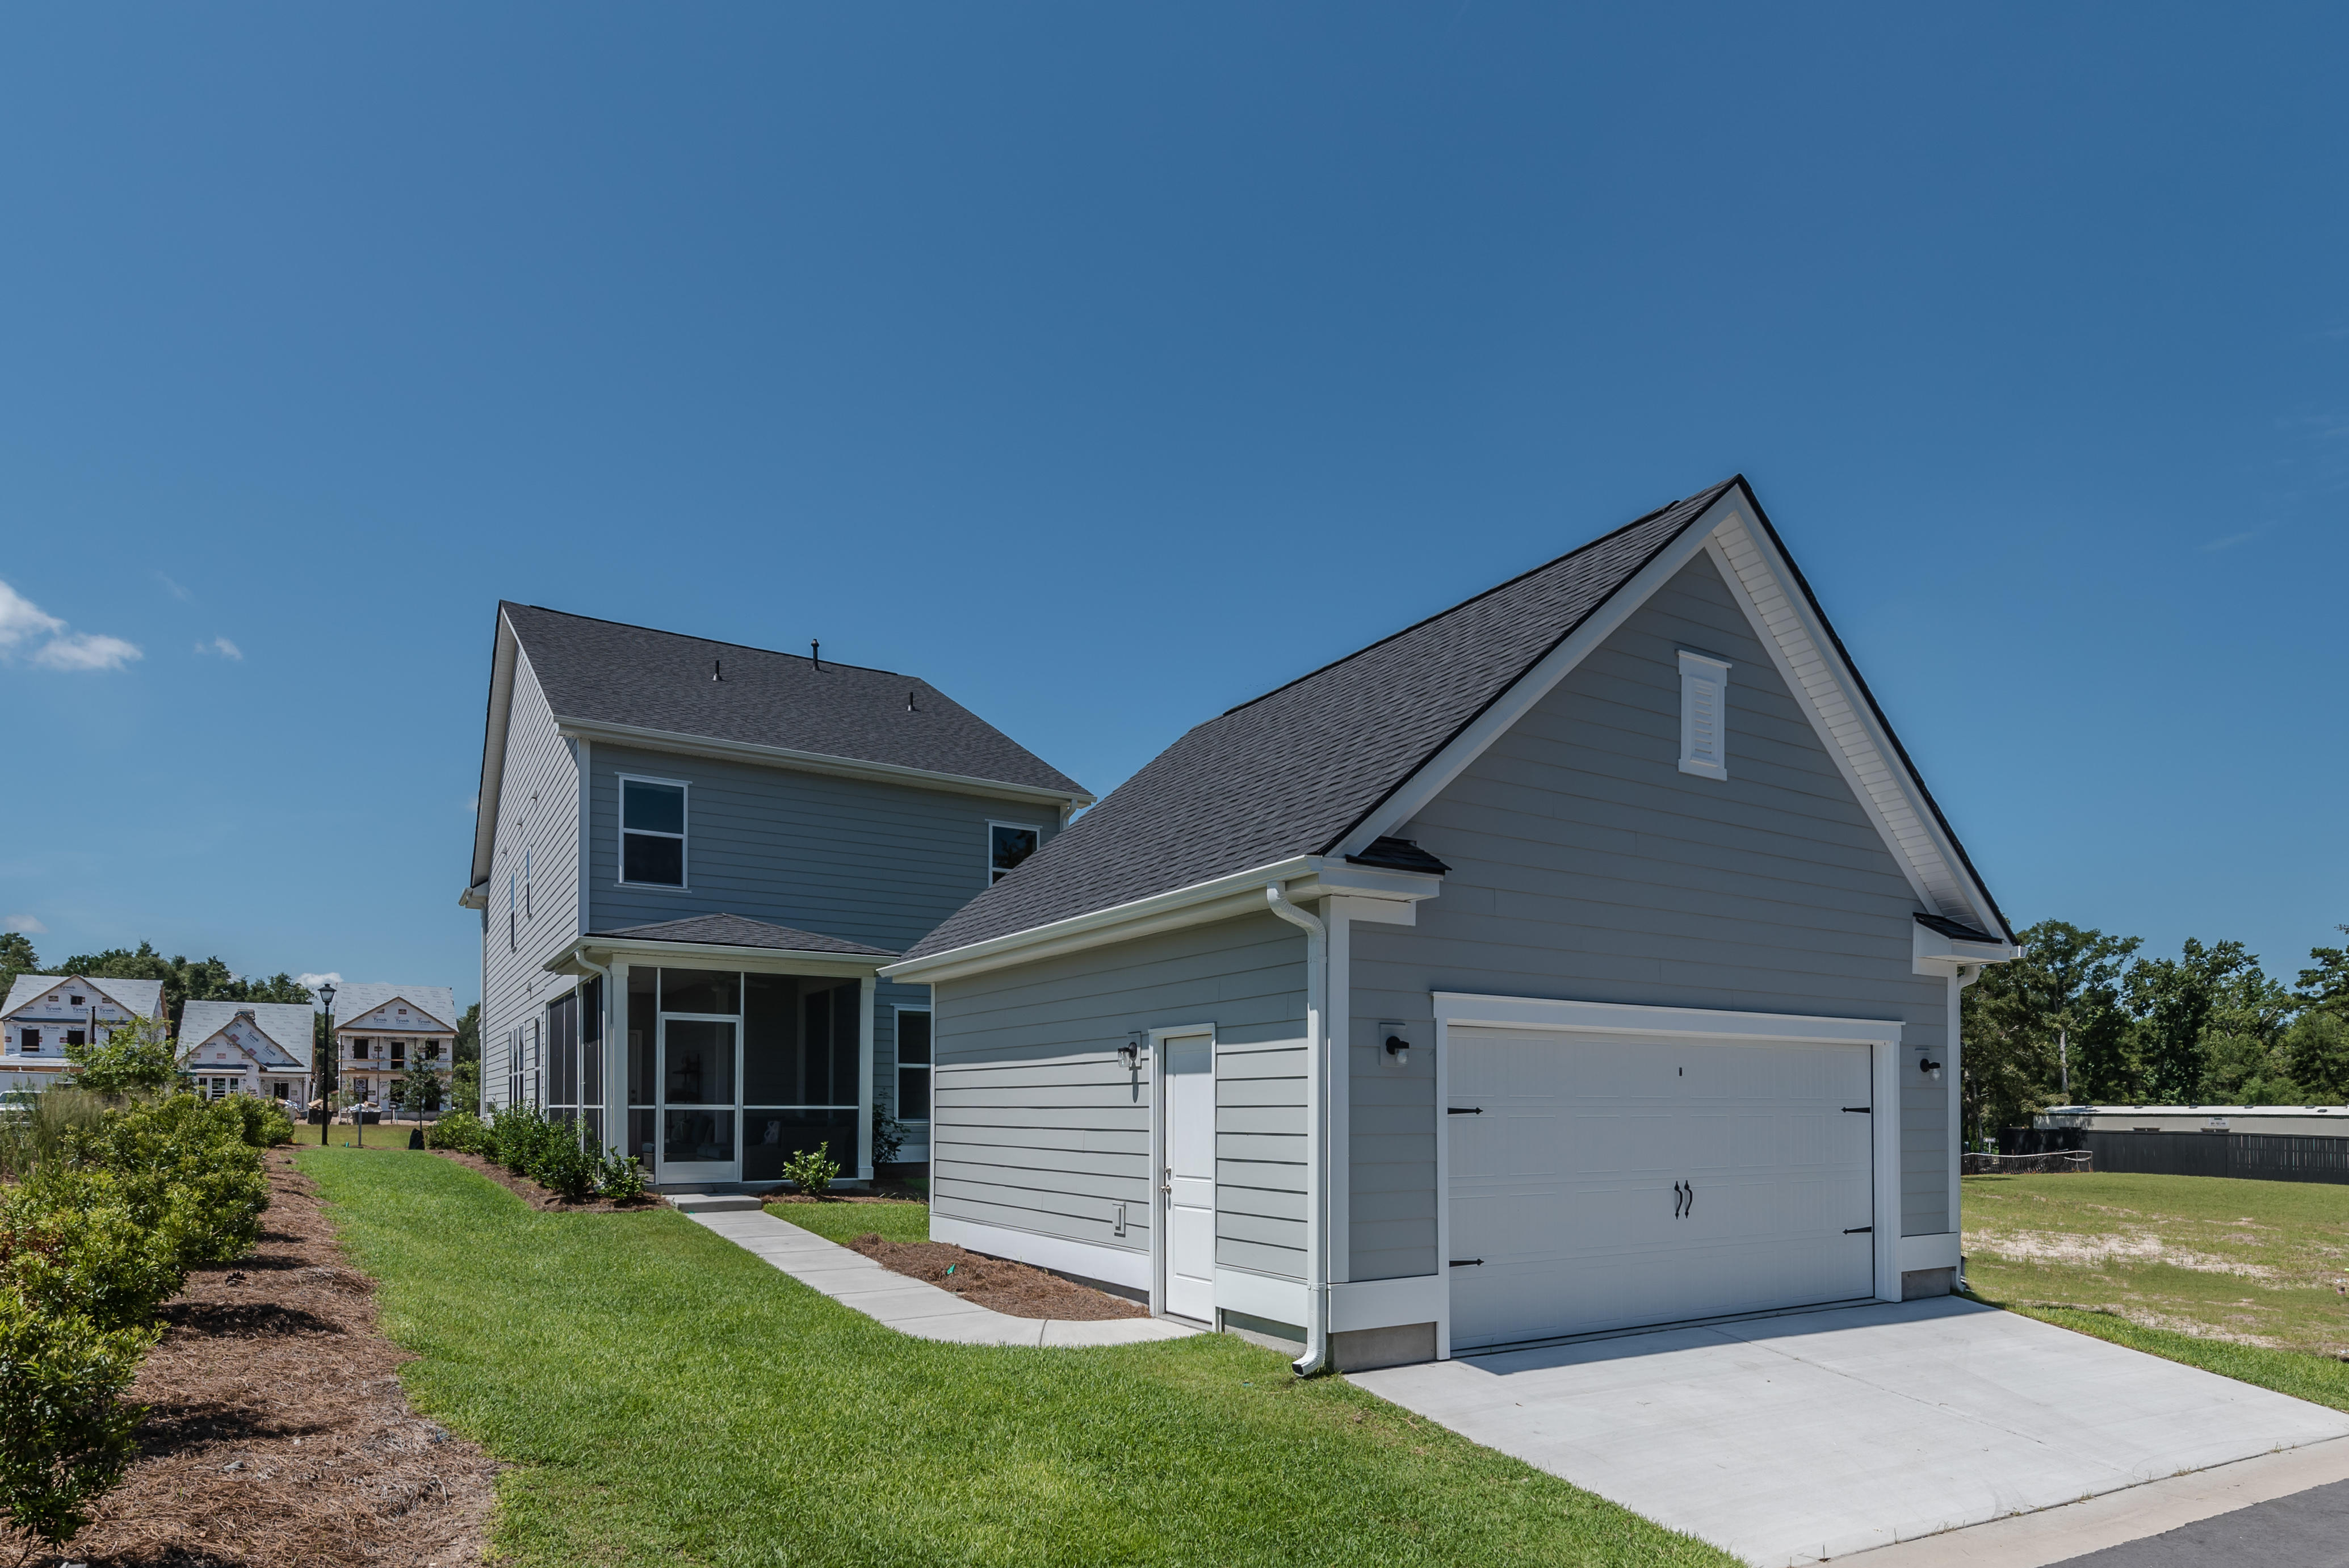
[1107, 365]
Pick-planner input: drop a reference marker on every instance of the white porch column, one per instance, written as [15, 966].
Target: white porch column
[615, 1057]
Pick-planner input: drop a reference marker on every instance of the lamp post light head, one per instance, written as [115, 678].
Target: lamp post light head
[326, 995]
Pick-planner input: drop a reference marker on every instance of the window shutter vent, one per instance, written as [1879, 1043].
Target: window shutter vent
[1704, 719]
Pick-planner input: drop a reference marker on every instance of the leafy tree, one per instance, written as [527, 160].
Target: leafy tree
[2315, 1052]
[2328, 984]
[184, 979]
[417, 1090]
[137, 1058]
[465, 1082]
[2025, 1022]
[2184, 1005]
[468, 1036]
[16, 957]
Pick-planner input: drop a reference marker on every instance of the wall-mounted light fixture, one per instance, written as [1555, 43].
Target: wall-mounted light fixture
[1931, 1068]
[1131, 1052]
[1398, 1050]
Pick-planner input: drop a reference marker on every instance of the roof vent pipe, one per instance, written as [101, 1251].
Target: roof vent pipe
[815, 653]
[716, 671]
[1317, 1176]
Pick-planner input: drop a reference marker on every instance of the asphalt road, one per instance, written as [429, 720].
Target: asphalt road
[2307, 1530]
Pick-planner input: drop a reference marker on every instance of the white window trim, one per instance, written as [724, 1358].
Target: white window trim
[1882, 1037]
[1698, 670]
[899, 1010]
[1036, 828]
[620, 832]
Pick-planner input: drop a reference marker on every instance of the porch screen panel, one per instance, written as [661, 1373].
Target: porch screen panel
[591, 1058]
[563, 1055]
[796, 1094]
[644, 1036]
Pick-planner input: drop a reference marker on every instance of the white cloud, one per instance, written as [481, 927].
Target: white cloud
[21, 619]
[47, 642]
[313, 981]
[2229, 541]
[29, 924]
[222, 647]
[472, 805]
[85, 651]
[182, 594]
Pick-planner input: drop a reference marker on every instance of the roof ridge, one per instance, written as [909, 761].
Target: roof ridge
[711, 642]
[1644, 517]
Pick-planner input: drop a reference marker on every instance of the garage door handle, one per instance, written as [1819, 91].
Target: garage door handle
[1680, 1199]
[1464, 1110]
[1859, 1231]
[1692, 1187]
[1467, 1262]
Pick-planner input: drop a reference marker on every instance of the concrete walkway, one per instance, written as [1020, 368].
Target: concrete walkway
[1796, 1438]
[908, 1305]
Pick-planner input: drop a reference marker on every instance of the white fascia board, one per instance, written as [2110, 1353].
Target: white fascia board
[1457, 1008]
[1761, 581]
[810, 762]
[1930, 952]
[1535, 684]
[588, 958]
[503, 661]
[1302, 878]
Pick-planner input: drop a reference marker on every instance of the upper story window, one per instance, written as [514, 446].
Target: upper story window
[77, 1001]
[1007, 843]
[1705, 716]
[652, 831]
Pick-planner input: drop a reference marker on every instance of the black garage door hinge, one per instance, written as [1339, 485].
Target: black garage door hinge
[1860, 1110]
[1859, 1231]
[1464, 1110]
[1467, 1262]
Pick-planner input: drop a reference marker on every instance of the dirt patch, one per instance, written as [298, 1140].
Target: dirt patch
[546, 1200]
[881, 1192]
[276, 1431]
[1014, 1288]
[2096, 1252]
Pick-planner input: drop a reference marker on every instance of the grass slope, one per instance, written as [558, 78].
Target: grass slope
[667, 1397]
[2262, 1263]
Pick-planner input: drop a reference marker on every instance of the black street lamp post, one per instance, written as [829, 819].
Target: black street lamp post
[326, 1067]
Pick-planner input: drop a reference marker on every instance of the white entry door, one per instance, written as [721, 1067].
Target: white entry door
[1189, 1187]
[1601, 1182]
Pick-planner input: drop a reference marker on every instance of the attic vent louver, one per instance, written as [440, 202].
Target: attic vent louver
[1704, 715]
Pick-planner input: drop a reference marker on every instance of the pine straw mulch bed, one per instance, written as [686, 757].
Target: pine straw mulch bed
[276, 1432]
[543, 1199]
[1016, 1289]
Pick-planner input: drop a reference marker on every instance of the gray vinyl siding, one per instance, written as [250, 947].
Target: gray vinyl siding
[1586, 866]
[1041, 1128]
[869, 862]
[537, 809]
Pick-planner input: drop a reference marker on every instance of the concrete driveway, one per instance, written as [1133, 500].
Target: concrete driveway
[1796, 1438]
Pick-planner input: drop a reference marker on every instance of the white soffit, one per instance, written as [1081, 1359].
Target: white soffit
[1809, 666]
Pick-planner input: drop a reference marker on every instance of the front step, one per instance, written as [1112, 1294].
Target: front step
[714, 1203]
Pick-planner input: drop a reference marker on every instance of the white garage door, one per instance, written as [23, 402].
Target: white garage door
[1601, 1182]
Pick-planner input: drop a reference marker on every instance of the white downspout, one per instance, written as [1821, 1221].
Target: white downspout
[1317, 1067]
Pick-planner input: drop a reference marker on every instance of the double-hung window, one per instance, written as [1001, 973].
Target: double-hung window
[652, 831]
[913, 1064]
[1007, 843]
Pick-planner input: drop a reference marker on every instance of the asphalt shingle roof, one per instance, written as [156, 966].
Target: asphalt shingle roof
[437, 1004]
[607, 672]
[1294, 770]
[286, 1024]
[144, 997]
[741, 931]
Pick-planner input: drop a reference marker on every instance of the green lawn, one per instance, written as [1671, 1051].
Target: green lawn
[901, 1223]
[2243, 1278]
[666, 1397]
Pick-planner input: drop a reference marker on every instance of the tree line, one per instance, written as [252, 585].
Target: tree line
[2081, 1018]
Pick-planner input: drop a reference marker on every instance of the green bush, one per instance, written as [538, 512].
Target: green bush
[137, 1058]
[621, 1179]
[567, 1165]
[267, 1123]
[460, 1130]
[183, 1168]
[65, 1434]
[68, 1243]
[812, 1171]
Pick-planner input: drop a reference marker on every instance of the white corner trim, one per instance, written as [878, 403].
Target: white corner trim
[1115, 1265]
[1439, 771]
[1387, 1303]
[1457, 1008]
[1260, 1296]
[1928, 1251]
[1760, 583]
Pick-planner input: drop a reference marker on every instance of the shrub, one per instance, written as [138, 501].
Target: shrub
[621, 1179]
[460, 1130]
[566, 1165]
[135, 1059]
[68, 1243]
[42, 1133]
[812, 1171]
[65, 1434]
[183, 1168]
[267, 1123]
